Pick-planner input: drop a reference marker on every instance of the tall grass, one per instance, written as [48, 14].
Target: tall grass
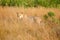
[30, 3]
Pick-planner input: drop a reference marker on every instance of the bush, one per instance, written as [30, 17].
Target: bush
[51, 14]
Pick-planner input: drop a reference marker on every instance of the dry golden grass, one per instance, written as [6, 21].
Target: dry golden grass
[13, 29]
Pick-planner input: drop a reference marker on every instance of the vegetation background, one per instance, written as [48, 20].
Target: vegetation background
[31, 3]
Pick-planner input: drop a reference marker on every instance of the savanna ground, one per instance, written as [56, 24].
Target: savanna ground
[11, 29]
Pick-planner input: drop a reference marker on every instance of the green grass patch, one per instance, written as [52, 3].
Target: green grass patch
[51, 14]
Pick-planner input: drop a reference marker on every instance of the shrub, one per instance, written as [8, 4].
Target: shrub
[51, 14]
